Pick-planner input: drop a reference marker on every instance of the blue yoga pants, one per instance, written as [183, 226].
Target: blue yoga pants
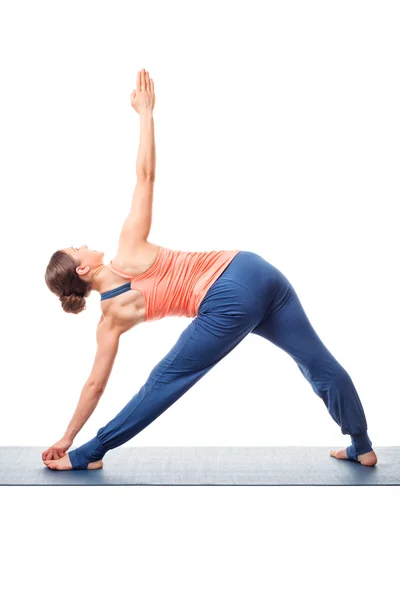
[250, 296]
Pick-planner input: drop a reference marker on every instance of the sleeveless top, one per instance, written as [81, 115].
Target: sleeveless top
[177, 281]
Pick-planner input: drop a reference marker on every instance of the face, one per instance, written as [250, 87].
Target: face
[88, 259]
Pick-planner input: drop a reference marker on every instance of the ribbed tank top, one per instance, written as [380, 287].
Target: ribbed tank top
[177, 281]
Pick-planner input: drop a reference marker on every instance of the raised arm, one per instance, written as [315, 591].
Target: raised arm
[137, 225]
[143, 101]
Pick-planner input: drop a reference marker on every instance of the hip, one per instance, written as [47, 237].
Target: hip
[248, 279]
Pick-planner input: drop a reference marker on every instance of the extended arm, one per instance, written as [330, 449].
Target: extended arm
[143, 101]
[146, 157]
[107, 348]
[136, 227]
[88, 401]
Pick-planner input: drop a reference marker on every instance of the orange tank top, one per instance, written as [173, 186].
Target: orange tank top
[177, 281]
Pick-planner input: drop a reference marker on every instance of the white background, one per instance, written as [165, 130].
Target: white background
[277, 129]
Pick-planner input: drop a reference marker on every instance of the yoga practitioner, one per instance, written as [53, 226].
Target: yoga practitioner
[227, 293]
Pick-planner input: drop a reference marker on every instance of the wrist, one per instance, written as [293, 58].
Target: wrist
[70, 434]
[146, 113]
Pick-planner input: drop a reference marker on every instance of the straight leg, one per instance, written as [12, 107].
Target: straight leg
[288, 327]
[224, 320]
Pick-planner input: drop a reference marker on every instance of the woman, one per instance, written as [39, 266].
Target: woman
[231, 293]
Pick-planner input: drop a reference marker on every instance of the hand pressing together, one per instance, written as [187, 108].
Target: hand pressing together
[143, 98]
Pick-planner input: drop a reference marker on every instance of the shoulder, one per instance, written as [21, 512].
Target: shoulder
[143, 253]
[109, 324]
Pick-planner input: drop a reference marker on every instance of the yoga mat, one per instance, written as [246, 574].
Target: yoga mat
[209, 465]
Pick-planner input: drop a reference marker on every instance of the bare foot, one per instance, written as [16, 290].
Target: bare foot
[369, 459]
[64, 464]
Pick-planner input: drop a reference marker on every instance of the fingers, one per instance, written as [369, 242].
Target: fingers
[143, 81]
[144, 85]
[51, 454]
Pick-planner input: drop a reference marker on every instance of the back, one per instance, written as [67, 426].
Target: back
[175, 283]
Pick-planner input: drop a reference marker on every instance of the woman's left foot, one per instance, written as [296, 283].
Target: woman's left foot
[64, 464]
[369, 459]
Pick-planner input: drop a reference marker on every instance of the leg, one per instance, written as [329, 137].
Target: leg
[288, 327]
[209, 337]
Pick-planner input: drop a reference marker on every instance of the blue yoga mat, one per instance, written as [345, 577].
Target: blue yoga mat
[210, 465]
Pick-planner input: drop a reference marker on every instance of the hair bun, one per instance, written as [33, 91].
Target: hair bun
[62, 279]
[64, 296]
[73, 303]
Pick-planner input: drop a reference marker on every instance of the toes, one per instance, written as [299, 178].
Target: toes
[339, 453]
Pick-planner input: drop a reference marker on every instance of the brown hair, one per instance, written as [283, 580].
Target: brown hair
[63, 280]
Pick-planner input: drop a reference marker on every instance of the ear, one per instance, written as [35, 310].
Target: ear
[82, 270]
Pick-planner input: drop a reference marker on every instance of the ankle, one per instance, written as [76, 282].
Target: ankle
[361, 443]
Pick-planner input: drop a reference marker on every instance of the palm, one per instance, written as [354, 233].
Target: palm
[143, 97]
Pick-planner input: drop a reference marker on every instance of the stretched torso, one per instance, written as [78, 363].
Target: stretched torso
[156, 282]
[128, 309]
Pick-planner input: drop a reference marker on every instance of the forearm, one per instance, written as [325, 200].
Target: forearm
[88, 401]
[146, 158]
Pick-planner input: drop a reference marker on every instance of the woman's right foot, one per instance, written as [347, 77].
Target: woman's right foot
[369, 459]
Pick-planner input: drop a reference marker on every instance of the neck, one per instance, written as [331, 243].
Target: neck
[98, 270]
[97, 279]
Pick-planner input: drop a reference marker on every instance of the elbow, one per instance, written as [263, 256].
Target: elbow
[95, 388]
[146, 175]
